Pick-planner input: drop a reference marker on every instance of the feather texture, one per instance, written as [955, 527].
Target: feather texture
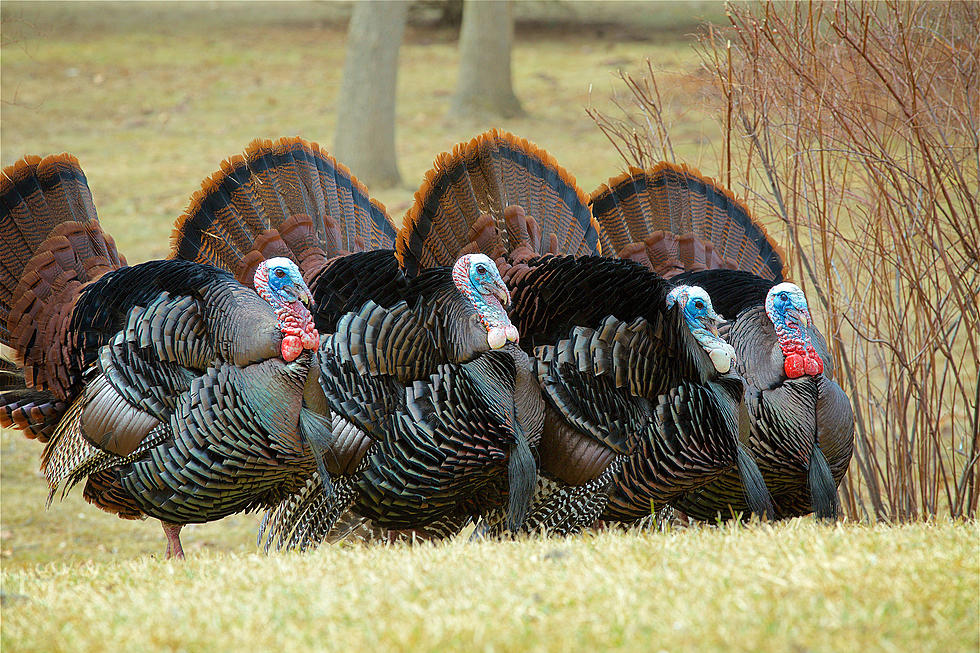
[480, 179]
[673, 219]
[280, 198]
[160, 385]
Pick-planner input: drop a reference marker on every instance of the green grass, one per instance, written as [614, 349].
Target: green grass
[795, 587]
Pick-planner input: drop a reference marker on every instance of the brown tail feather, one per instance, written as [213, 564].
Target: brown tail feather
[673, 219]
[496, 194]
[34, 412]
[52, 246]
[281, 198]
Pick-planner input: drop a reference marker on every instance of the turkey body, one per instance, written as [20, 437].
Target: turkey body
[802, 429]
[604, 343]
[424, 417]
[209, 418]
[635, 405]
[452, 417]
[161, 385]
[693, 231]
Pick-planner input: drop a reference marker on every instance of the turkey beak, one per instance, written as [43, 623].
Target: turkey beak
[800, 317]
[301, 293]
[500, 292]
[306, 298]
[710, 322]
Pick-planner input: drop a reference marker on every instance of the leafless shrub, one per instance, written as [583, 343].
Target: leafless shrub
[855, 127]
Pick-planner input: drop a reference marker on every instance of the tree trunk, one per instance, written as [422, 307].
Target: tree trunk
[365, 140]
[485, 40]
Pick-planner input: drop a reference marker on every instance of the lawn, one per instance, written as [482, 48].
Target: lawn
[797, 586]
[151, 98]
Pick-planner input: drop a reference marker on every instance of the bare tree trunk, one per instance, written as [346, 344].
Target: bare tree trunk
[365, 140]
[485, 40]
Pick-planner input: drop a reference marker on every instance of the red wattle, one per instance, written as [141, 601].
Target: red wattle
[812, 366]
[794, 366]
[291, 348]
[310, 338]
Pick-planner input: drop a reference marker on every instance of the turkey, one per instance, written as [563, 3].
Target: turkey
[620, 360]
[688, 228]
[172, 390]
[431, 405]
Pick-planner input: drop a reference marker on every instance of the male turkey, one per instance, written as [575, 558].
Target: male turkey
[621, 360]
[688, 228]
[420, 378]
[171, 389]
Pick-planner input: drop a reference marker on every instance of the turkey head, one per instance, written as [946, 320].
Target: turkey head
[279, 282]
[701, 319]
[477, 278]
[787, 308]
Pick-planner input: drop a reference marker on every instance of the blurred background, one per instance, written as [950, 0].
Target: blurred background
[151, 97]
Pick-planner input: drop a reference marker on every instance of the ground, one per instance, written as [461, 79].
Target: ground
[151, 98]
[794, 587]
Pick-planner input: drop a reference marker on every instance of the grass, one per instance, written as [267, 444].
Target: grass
[796, 586]
[151, 98]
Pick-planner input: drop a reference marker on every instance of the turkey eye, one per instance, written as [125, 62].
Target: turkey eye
[280, 273]
[481, 269]
[783, 296]
[698, 304]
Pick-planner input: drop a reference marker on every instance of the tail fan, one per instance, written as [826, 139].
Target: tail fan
[51, 245]
[672, 219]
[823, 490]
[280, 198]
[757, 495]
[461, 205]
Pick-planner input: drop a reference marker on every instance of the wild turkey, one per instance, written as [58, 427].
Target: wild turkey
[420, 376]
[612, 348]
[174, 391]
[688, 228]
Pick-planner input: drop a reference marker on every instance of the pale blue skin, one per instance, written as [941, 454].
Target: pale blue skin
[786, 301]
[701, 319]
[286, 284]
[485, 281]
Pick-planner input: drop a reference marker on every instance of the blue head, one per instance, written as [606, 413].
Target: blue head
[279, 281]
[787, 308]
[700, 317]
[477, 278]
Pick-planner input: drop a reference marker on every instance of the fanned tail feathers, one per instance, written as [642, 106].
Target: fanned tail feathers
[51, 245]
[280, 198]
[495, 194]
[673, 219]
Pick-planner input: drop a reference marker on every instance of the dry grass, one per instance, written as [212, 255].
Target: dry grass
[797, 586]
